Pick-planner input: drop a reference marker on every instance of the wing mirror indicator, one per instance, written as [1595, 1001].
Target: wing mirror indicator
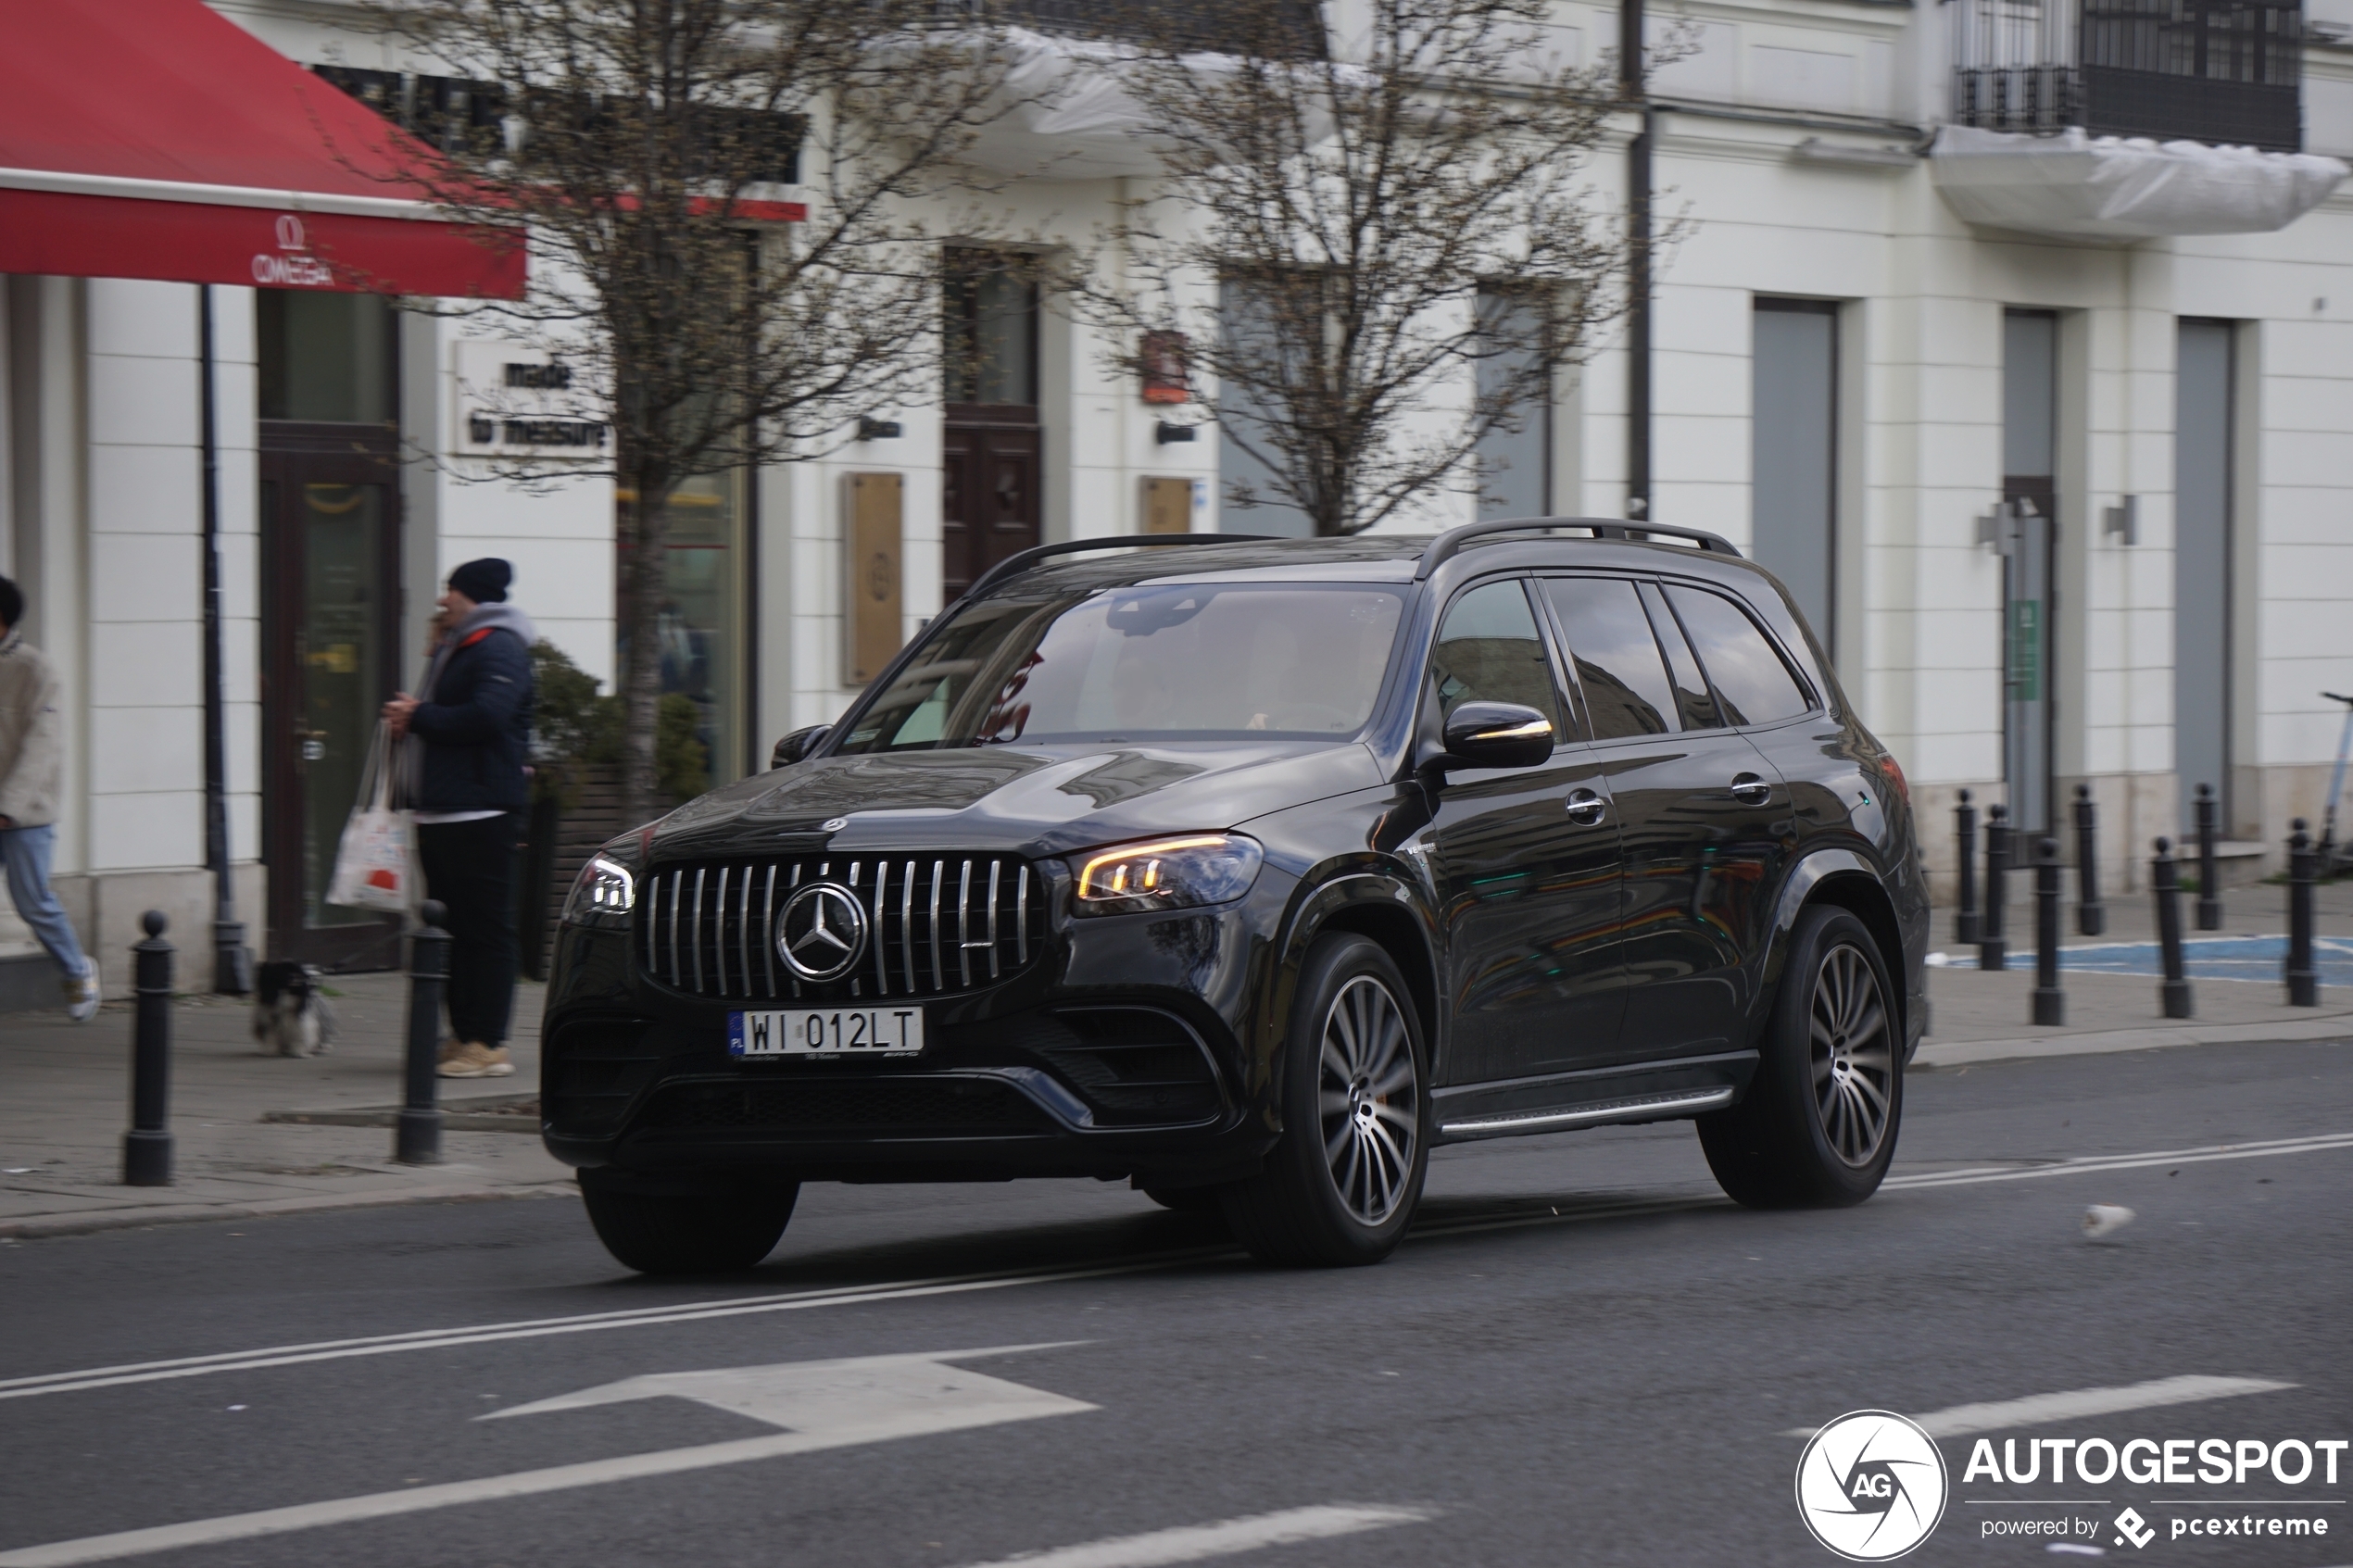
[1498, 735]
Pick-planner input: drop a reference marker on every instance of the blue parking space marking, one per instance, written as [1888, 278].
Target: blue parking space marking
[2259, 959]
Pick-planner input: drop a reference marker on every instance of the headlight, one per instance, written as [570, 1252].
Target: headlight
[603, 894]
[1167, 873]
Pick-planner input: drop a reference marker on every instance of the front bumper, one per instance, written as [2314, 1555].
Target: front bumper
[1122, 1051]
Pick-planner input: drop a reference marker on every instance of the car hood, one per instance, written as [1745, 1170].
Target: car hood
[1032, 799]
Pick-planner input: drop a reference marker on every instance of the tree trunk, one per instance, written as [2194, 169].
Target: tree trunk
[644, 588]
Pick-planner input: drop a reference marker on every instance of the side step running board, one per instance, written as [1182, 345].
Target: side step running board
[1678, 1102]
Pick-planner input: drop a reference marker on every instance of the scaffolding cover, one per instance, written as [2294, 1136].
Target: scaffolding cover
[2112, 188]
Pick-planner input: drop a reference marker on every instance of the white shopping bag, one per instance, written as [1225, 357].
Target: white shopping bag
[376, 862]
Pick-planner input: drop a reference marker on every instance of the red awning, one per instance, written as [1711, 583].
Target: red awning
[154, 139]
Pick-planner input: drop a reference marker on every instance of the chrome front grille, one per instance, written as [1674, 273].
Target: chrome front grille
[937, 924]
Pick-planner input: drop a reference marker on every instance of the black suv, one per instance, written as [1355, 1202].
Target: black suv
[1249, 870]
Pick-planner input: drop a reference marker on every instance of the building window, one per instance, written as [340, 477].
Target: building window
[1794, 453]
[326, 357]
[1516, 456]
[703, 621]
[991, 331]
[2205, 415]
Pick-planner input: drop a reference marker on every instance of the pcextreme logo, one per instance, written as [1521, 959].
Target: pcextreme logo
[1872, 1485]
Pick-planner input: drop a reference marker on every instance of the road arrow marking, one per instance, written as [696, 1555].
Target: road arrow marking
[823, 1405]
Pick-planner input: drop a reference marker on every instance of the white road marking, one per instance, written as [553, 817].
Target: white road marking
[2093, 1164]
[861, 1295]
[1196, 1543]
[484, 1334]
[2037, 1410]
[830, 1404]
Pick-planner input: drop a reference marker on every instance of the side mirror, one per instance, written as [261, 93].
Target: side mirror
[798, 745]
[1498, 735]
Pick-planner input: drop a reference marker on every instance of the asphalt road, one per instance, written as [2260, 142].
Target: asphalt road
[1581, 1356]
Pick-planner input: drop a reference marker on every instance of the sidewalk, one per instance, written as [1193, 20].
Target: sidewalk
[1976, 1015]
[64, 1093]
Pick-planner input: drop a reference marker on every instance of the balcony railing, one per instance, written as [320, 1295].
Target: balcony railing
[2219, 72]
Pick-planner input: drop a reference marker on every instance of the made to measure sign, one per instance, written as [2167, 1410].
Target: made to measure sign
[514, 401]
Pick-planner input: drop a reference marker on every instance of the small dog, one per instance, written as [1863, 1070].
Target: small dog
[290, 1012]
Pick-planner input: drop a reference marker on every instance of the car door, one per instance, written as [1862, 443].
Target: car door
[1524, 861]
[1696, 805]
[1758, 687]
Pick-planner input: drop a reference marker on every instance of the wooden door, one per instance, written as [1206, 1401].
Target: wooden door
[329, 542]
[990, 502]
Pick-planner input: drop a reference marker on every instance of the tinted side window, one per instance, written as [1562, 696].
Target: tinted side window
[1489, 650]
[1752, 683]
[1617, 658]
[1691, 686]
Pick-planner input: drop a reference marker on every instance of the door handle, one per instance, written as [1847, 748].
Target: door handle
[1585, 808]
[1750, 790]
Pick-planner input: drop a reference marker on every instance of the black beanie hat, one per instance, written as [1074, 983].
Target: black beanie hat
[483, 580]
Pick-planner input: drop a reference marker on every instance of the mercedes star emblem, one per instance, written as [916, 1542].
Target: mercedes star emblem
[822, 932]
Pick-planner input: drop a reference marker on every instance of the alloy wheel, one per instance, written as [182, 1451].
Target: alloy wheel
[1370, 1100]
[1854, 1058]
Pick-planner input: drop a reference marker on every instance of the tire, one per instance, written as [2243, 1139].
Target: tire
[721, 1232]
[1340, 1187]
[1185, 1200]
[1820, 1124]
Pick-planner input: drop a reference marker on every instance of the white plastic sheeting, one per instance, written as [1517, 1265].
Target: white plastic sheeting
[2118, 189]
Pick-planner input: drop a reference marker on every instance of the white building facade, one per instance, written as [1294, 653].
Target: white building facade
[2069, 508]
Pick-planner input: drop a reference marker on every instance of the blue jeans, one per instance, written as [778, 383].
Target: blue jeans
[27, 852]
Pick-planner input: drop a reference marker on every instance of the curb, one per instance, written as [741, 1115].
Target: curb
[42, 1225]
[1968, 1053]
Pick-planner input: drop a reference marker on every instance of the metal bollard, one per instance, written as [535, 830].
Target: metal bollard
[416, 1138]
[1965, 927]
[2050, 1003]
[1992, 951]
[2167, 886]
[2210, 896]
[2091, 915]
[2303, 871]
[147, 1148]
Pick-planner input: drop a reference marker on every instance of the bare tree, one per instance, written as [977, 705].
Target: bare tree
[656, 151]
[1371, 256]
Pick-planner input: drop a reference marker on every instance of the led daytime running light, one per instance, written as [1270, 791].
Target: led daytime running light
[1148, 881]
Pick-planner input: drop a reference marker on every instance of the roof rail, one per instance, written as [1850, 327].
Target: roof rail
[1450, 544]
[1022, 560]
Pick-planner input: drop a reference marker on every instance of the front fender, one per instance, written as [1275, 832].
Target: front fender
[1379, 900]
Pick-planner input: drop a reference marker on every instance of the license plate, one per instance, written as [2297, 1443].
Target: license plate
[827, 1032]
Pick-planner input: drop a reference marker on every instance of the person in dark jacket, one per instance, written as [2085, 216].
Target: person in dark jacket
[465, 764]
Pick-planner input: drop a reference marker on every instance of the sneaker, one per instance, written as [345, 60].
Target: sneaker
[451, 1046]
[473, 1060]
[82, 993]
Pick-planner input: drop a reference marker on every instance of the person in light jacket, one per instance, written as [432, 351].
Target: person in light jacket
[32, 769]
[466, 766]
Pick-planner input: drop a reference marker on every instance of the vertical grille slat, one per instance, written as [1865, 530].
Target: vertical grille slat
[719, 953]
[938, 975]
[677, 882]
[768, 942]
[965, 923]
[882, 945]
[701, 922]
[907, 924]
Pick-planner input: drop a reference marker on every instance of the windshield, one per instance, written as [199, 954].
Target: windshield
[1284, 661]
